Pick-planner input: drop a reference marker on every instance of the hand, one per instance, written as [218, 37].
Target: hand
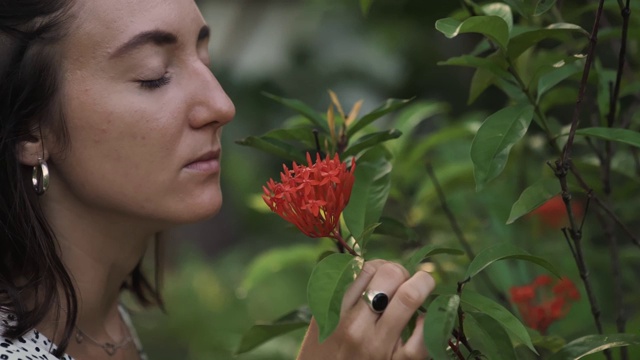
[363, 334]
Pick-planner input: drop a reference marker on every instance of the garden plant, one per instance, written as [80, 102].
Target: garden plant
[534, 241]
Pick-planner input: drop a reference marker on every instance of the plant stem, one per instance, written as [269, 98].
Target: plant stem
[604, 207]
[336, 235]
[575, 233]
[593, 40]
[460, 333]
[456, 350]
[606, 182]
[460, 235]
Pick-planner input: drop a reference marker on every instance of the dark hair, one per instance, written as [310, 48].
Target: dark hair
[30, 266]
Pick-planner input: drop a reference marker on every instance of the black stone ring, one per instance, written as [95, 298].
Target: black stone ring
[377, 300]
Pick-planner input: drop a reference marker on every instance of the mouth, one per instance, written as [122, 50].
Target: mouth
[207, 162]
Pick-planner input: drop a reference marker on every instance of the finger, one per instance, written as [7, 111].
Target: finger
[359, 285]
[388, 277]
[407, 299]
[414, 348]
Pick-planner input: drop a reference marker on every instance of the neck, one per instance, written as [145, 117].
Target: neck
[99, 251]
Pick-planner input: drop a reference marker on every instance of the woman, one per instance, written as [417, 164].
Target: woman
[113, 103]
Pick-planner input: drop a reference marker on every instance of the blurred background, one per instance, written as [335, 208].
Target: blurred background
[247, 265]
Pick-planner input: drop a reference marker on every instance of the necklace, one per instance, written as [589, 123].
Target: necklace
[109, 347]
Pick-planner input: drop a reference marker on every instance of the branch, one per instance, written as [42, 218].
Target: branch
[607, 224]
[575, 233]
[460, 333]
[460, 235]
[604, 207]
[593, 40]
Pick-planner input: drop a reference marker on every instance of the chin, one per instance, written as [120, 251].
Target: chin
[201, 211]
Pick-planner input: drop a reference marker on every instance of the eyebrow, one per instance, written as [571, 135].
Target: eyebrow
[156, 37]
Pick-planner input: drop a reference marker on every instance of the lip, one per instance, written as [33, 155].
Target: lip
[207, 162]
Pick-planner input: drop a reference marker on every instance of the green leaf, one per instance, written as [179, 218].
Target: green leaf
[274, 147]
[327, 285]
[427, 251]
[370, 140]
[622, 136]
[488, 336]
[501, 252]
[499, 9]
[518, 44]
[493, 27]
[275, 260]
[543, 6]
[478, 62]
[365, 236]
[491, 145]
[302, 135]
[365, 5]
[438, 324]
[557, 75]
[258, 334]
[395, 228]
[408, 119]
[389, 106]
[590, 344]
[518, 6]
[316, 118]
[369, 194]
[500, 314]
[532, 197]
[481, 80]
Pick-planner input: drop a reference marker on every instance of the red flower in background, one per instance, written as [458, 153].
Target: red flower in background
[312, 197]
[553, 213]
[542, 302]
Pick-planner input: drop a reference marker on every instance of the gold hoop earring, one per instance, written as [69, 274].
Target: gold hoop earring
[40, 177]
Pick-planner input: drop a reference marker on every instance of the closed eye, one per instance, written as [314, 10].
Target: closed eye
[155, 83]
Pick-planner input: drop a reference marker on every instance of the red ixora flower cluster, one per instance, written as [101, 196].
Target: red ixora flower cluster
[542, 302]
[312, 197]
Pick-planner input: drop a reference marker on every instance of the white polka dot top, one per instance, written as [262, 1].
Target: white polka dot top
[35, 346]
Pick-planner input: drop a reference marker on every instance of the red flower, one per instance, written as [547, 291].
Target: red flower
[553, 213]
[312, 197]
[541, 302]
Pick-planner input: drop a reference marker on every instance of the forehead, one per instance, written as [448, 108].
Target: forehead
[100, 26]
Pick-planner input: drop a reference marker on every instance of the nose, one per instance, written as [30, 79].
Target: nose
[210, 103]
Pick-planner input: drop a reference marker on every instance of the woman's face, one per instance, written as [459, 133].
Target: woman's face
[143, 112]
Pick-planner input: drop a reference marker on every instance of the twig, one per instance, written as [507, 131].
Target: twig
[604, 207]
[456, 350]
[460, 235]
[336, 235]
[593, 40]
[460, 332]
[575, 234]
[606, 182]
[464, 341]
[584, 275]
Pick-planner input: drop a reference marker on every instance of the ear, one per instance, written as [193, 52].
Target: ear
[29, 152]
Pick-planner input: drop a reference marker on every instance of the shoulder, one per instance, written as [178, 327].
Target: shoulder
[30, 346]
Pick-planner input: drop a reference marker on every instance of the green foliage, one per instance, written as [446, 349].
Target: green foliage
[590, 344]
[494, 140]
[369, 195]
[532, 197]
[527, 60]
[327, 286]
[504, 251]
[489, 336]
[261, 333]
[502, 316]
[438, 325]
